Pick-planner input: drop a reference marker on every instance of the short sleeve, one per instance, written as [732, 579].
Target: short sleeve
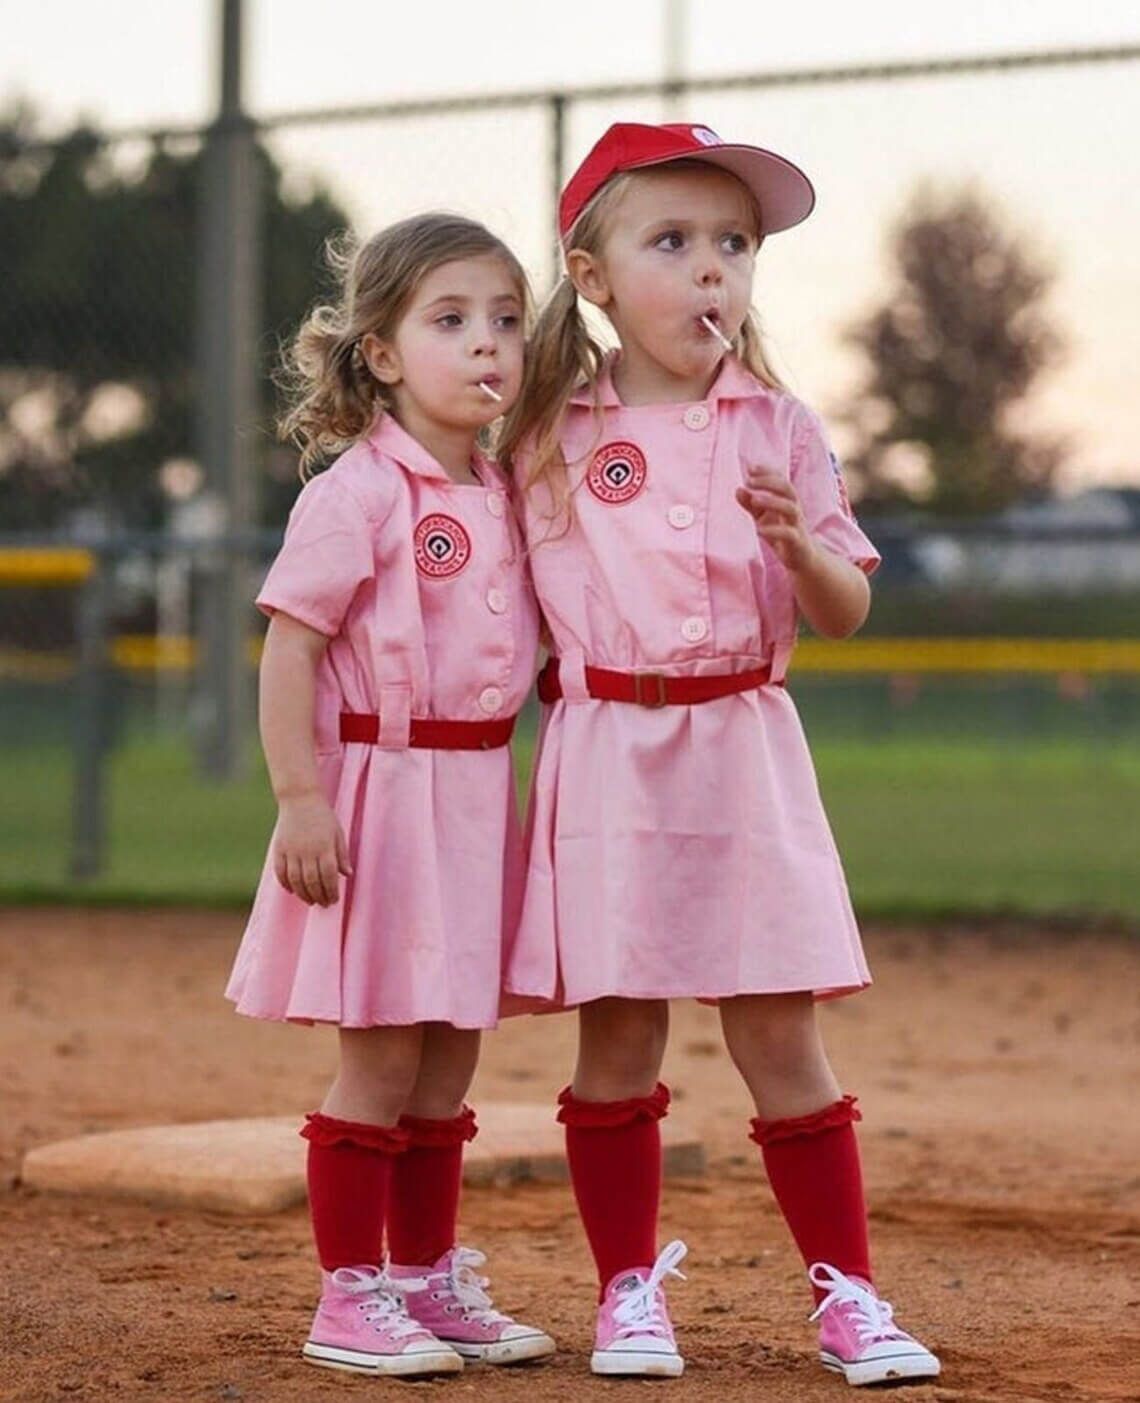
[327, 554]
[818, 479]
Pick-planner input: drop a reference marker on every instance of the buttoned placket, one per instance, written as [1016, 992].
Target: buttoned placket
[698, 428]
[491, 696]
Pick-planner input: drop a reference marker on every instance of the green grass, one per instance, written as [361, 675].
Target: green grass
[927, 826]
[958, 827]
[171, 836]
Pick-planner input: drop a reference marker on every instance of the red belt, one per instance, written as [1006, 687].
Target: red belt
[653, 689]
[429, 734]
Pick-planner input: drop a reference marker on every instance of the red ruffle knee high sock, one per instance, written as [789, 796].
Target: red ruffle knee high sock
[423, 1203]
[614, 1153]
[813, 1167]
[349, 1170]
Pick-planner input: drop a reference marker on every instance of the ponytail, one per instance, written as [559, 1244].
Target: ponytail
[561, 356]
[752, 352]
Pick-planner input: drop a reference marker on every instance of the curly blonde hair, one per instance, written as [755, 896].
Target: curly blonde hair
[331, 396]
[563, 355]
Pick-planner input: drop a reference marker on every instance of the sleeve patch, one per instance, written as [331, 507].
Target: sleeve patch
[841, 487]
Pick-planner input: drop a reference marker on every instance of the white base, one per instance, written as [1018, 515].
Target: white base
[887, 1369]
[516, 1351]
[639, 1363]
[435, 1361]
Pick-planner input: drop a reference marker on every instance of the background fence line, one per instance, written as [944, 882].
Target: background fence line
[126, 614]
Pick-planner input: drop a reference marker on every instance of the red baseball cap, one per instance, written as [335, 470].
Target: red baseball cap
[784, 193]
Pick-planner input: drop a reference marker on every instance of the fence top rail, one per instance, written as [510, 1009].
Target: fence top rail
[886, 71]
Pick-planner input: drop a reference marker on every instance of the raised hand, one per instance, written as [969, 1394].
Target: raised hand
[772, 501]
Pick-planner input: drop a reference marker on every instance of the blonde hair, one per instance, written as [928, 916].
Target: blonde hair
[331, 395]
[562, 355]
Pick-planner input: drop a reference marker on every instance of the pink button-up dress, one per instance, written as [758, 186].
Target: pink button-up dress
[685, 850]
[422, 588]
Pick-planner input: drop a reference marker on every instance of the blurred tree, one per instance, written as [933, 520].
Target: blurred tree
[957, 344]
[97, 320]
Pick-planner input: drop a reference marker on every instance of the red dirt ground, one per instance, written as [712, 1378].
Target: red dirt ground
[997, 1073]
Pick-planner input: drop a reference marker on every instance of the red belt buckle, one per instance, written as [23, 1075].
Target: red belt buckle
[653, 698]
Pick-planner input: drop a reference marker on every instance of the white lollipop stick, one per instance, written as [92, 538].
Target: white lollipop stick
[490, 391]
[714, 330]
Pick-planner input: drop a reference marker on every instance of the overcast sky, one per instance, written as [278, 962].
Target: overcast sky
[1056, 151]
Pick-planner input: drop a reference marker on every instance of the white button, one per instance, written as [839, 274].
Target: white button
[695, 417]
[694, 629]
[681, 515]
[491, 700]
[494, 502]
[496, 601]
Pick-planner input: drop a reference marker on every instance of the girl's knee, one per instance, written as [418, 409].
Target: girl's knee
[447, 1069]
[378, 1068]
[772, 1031]
[622, 1043]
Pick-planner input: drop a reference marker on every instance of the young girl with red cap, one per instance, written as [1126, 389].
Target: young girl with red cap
[402, 640]
[682, 510]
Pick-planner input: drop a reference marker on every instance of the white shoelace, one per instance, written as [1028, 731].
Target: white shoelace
[461, 1281]
[641, 1310]
[470, 1290]
[873, 1317]
[382, 1307]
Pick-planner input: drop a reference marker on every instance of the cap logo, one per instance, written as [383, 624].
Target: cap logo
[706, 136]
[617, 473]
[442, 547]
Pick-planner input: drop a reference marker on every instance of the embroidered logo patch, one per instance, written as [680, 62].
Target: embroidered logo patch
[617, 473]
[844, 500]
[442, 547]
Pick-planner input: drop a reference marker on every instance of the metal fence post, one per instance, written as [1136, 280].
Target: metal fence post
[228, 303]
[92, 724]
[557, 169]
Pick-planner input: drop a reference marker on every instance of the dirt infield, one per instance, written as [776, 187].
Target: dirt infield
[998, 1077]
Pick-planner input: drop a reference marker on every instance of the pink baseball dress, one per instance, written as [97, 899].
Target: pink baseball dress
[683, 850]
[422, 587]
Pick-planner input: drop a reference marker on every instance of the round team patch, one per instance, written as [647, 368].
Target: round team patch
[442, 547]
[617, 473]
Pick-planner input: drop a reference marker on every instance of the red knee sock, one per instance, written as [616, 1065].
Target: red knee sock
[614, 1152]
[813, 1167]
[423, 1200]
[349, 1170]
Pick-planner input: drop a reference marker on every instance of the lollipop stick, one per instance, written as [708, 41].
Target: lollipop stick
[490, 391]
[714, 330]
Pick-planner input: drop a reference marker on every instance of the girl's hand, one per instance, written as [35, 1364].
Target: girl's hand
[771, 499]
[309, 849]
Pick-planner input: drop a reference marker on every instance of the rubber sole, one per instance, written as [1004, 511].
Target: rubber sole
[518, 1351]
[637, 1365]
[353, 1361]
[890, 1369]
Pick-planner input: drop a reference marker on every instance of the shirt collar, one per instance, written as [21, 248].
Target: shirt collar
[390, 437]
[733, 381]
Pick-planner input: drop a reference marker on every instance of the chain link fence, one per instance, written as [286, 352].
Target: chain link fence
[120, 548]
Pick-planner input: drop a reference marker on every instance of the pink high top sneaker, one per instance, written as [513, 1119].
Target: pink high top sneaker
[634, 1335]
[361, 1325]
[857, 1334]
[452, 1302]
